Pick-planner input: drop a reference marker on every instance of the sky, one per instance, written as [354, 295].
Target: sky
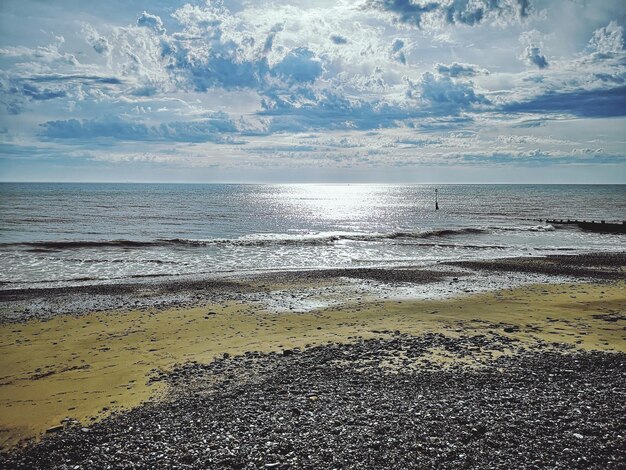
[443, 91]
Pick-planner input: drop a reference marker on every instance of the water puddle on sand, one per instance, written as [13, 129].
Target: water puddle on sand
[357, 292]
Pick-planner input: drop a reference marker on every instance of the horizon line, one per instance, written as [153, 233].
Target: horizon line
[308, 182]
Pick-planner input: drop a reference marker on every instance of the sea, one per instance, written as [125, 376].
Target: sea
[62, 234]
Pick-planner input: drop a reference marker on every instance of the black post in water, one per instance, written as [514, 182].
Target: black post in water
[436, 202]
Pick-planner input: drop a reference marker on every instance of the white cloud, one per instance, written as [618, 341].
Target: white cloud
[533, 44]
[151, 21]
[373, 80]
[608, 39]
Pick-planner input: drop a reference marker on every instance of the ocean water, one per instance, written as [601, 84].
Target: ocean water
[63, 234]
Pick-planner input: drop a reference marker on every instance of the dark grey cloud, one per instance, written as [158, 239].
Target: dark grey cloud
[30, 90]
[594, 103]
[466, 12]
[396, 51]
[406, 11]
[64, 78]
[455, 70]
[94, 128]
[217, 128]
[433, 101]
[535, 57]
[443, 93]
[338, 39]
[269, 42]
[17, 91]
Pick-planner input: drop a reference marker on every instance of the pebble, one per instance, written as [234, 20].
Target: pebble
[238, 413]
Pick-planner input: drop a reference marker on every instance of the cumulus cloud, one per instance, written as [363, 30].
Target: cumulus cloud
[153, 22]
[405, 11]
[216, 49]
[99, 43]
[532, 51]
[464, 12]
[269, 41]
[353, 76]
[533, 56]
[609, 39]
[299, 65]
[443, 93]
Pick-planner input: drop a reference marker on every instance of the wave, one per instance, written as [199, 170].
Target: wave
[122, 261]
[71, 244]
[320, 238]
[525, 228]
[323, 238]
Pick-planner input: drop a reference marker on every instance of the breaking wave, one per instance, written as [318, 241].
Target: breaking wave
[323, 238]
[526, 228]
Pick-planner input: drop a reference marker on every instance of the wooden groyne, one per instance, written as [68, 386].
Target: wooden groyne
[591, 226]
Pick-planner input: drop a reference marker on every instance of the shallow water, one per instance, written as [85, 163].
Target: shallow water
[85, 233]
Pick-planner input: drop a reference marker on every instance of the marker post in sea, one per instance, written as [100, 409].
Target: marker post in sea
[436, 202]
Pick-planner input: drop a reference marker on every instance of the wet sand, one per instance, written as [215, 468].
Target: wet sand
[74, 370]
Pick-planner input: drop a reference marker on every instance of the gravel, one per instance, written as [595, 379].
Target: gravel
[592, 265]
[378, 403]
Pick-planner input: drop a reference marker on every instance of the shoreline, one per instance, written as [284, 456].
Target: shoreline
[446, 280]
[91, 368]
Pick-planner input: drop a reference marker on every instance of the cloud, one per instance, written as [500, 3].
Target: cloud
[443, 93]
[594, 103]
[338, 39]
[405, 11]
[94, 128]
[217, 50]
[464, 12]
[153, 22]
[390, 82]
[534, 57]
[99, 43]
[269, 41]
[609, 39]
[62, 78]
[396, 51]
[216, 128]
[532, 52]
[299, 65]
[455, 70]
[16, 92]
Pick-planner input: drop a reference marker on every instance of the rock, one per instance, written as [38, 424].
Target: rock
[334, 406]
[56, 428]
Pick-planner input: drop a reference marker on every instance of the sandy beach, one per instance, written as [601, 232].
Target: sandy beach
[353, 235]
[70, 377]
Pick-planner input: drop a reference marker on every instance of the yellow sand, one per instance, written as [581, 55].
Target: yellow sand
[86, 367]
